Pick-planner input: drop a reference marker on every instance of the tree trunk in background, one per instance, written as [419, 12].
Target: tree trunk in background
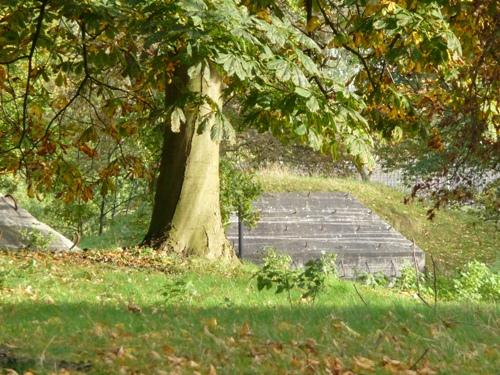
[363, 172]
[186, 215]
[102, 215]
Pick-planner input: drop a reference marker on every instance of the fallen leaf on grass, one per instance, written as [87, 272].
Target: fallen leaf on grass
[245, 330]
[426, 370]
[393, 366]
[210, 323]
[119, 352]
[339, 325]
[132, 307]
[309, 345]
[167, 349]
[363, 363]
[98, 330]
[334, 365]
[155, 355]
[295, 362]
[176, 360]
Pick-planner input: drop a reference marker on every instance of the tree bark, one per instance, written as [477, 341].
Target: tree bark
[186, 216]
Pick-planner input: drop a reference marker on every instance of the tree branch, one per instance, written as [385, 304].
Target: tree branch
[14, 59]
[358, 54]
[36, 35]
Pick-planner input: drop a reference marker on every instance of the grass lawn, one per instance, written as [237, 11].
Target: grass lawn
[104, 313]
[453, 237]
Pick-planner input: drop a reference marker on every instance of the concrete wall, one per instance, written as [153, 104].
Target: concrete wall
[307, 225]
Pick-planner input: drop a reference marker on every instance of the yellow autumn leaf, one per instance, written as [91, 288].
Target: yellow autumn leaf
[313, 24]
[391, 6]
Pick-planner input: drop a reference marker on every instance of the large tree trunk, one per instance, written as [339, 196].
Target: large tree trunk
[186, 215]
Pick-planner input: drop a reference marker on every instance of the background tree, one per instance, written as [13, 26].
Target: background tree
[457, 150]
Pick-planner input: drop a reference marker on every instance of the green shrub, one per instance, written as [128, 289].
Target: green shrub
[477, 282]
[238, 191]
[373, 279]
[411, 280]
[36, 240]
[309, 281]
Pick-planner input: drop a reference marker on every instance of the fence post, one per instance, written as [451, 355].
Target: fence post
[240, 235]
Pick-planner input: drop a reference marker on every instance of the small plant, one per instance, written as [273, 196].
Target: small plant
[477, 282]
[309, 280]
[238, 192]
[374, 279]
[35, 239]
[178, 291]
[412, 280]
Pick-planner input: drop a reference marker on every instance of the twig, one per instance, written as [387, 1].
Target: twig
[434, 282]
[359, 294]
[42, 356]
[414, 366]
[358, 54]
[417, 281]
[13, 60]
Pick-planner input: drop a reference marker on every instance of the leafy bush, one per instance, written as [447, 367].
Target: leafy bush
[411, 280]
[309, 280]
[478, 283]
[36, 240]
[475, 282]
[489, 199]
[238, 190]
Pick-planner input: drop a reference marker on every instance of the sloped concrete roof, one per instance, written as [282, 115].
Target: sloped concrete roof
[15, 223]
[307, 225]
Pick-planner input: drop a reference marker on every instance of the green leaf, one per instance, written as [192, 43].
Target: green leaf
[314, 140]
[216, 132]
[379, 24]
[302, 92]
[307, 62]
[59, 80]
[301, 130]
[313, 104]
